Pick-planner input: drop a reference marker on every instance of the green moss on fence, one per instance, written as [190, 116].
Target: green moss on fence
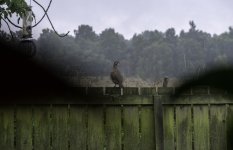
[111, 118]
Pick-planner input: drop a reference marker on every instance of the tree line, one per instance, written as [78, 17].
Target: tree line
[149, 55]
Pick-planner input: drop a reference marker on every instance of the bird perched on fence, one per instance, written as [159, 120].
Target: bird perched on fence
[165, 81]
[116, 76]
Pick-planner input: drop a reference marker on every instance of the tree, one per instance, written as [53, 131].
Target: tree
[170, 35]
[50, 47]
[192, 25]
[9, 7]
[112, 44]
[150, 54]
[85, 32]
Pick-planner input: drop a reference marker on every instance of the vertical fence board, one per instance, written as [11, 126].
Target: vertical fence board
[229, 127]
[95, 128]
[77, 127]
[131, 128]
[113, 128]
[6, 128]
[184, 127]
[201, 127]
[158, 118]
[41, 119]
[24, 128]
[218, 127]
[147, 128]
[169, 125]
[59, 127]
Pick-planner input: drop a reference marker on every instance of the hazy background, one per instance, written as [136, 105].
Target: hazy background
[151, 38]
[134, 16]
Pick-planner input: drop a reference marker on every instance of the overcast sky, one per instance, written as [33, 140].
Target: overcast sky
[135, 16]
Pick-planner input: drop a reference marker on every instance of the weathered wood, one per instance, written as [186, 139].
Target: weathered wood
[42, 128]
[147, 140]
[184, 127]
[113, 91]
[24, 127]
[95, 91]
[95, 128]
[200, 90]
[229, 127]
[169, 128]
[145, 123]
[148, 91]
[131, 128]
[77, 127]
[158, 118]
[6, 128]
[218, 127]
[187, 91]
[200, 100]
[201, 127]
[216, 91]
[166, 90]
[113, 128]
[59, 127]
[131, 100]
[130, 91]
[103, 100]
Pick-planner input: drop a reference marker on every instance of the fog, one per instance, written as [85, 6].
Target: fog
[151, 39]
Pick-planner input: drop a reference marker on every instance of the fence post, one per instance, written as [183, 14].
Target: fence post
[158, 114]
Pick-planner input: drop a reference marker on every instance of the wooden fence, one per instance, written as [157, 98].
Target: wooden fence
[133, 119]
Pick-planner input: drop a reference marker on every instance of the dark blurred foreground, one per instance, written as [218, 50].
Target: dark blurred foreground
[23, 80]
[21, 76]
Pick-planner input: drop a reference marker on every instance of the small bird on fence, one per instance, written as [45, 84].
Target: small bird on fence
[165, 81]
[116, 76]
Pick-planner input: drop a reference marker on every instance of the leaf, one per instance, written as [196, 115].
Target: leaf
[2, 2]
[8, 3]
[18, 20]
[5, 14]
[33, 15]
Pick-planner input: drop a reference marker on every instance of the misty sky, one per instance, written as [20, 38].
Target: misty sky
[135, 16]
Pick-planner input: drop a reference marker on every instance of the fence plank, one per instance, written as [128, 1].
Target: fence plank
[41, 119]
[229, 127]
[24, 128]
[147, 128]
[201, 127]
[95, 128]
[184, 127]
[59, 127]
[168, 130]
[6, 128]
[113, 128]
[218, 127]
[131, 128]
[77, 127]
[158, 118]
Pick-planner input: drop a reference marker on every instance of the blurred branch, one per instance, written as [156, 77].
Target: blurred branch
[45, 13]
[8, 27]
[12, 23]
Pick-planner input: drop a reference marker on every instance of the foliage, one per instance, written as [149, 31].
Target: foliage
[151, 54]
[9, 7]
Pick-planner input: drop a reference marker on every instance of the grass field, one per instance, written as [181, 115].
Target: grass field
[105, 81]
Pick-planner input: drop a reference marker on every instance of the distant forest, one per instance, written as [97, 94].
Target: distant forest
[149, 55]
